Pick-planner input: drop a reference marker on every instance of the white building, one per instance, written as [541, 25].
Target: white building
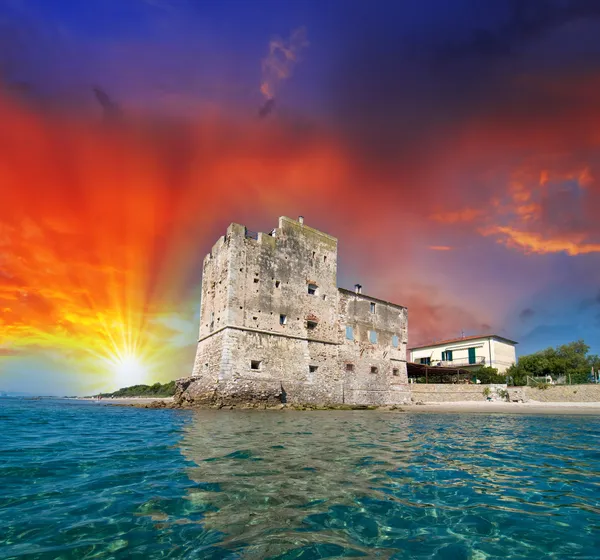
[469, 351]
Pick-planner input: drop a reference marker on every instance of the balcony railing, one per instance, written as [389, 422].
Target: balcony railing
[479, 361]
[251, 234]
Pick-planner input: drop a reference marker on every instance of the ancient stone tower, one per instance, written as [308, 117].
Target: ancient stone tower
[274, 326]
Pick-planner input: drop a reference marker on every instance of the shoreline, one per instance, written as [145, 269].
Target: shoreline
[124, 400]
[457, 407]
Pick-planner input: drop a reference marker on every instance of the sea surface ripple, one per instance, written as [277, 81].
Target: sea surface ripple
[86, 480]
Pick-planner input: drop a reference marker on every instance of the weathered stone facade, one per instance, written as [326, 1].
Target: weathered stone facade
[274, 327]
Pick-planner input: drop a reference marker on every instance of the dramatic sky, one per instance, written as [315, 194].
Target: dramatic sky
[453, 147]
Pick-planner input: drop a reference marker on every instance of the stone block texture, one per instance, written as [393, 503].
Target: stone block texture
[274, 326]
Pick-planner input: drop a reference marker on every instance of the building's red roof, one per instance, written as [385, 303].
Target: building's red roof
[474, 337]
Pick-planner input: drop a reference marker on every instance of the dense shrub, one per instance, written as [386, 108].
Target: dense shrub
[156, 390]
[489, 375]
[571, 361]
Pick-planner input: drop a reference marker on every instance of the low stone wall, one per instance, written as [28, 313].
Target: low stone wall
[445, 392]
[563, 393]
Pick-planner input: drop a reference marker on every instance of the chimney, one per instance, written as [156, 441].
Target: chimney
[301, 220]
[358, 288]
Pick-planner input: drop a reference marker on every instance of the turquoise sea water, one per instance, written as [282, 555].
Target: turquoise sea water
[86, 480]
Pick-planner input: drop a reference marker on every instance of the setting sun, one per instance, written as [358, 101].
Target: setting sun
[129, 371]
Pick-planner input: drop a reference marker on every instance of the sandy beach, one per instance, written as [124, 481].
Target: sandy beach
[552, 408]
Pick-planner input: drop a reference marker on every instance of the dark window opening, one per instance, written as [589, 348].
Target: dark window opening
[312, 289]
[372, 308]
[425, 361]
[311, 325]
[447, 356]
[277, 283]
[396, 371]
[324, 258]
[314, 253]
[255, 364]
[374, 369]
[256, 280]
[255, 318]
[312, 369]
[349, 367]
[282, 319]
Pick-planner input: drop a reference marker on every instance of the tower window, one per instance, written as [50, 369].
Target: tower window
[372, 308]
[349, 333]
[311, 325]
[396, 371]
[312, 289]
[282, 319]
[349, 367]
[277, 283]
[255, 364]
[256, 280]
[395, 341]
[373, 337]
[312, 369]
[374, 369]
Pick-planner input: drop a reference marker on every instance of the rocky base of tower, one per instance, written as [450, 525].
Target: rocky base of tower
[198, 391]
[193, 391]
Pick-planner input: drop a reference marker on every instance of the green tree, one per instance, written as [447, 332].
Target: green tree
[567, 360]
[155, 390]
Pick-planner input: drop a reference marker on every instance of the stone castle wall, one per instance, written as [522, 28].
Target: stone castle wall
[273, 323]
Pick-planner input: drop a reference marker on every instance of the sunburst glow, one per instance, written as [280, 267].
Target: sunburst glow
[129, 370]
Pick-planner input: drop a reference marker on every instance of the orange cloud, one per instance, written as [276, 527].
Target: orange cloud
[531, 242]
[282, 57]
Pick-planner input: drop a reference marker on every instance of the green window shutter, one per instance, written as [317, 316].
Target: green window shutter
[472, 359]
